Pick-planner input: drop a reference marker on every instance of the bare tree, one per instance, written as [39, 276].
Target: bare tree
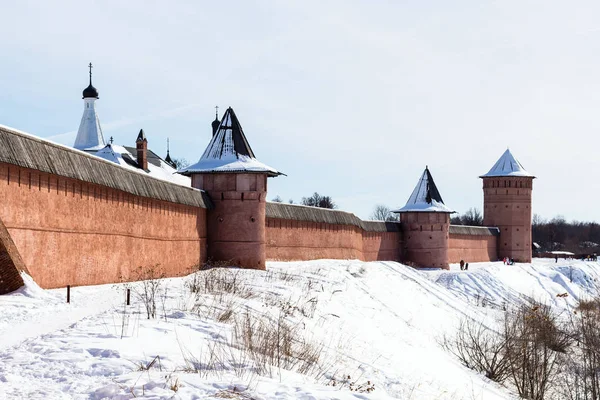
[472, 217]
[456, 220]
[277, 199]
[316, 200]
[180, 163]
[383, 213]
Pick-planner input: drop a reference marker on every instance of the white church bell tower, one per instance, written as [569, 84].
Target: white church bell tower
[89, 135]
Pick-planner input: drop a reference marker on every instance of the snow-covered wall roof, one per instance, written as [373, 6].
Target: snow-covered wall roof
[507, 165]
[28, 151]
[425, 197]
[127, 158]
[229, 151]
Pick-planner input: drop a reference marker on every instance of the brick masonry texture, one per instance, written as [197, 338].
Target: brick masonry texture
[70, 232]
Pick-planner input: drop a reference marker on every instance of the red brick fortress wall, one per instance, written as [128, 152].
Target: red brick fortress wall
[70, 232]
[289, 240]
[472, 244]
[381, 246]
[295, 233]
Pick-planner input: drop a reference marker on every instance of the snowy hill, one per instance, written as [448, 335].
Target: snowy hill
[317, 330]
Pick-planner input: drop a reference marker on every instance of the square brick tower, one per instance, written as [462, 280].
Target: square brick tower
[237, 184]
[507, 205]
[425, 224]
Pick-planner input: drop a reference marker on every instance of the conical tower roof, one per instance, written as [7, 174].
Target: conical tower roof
[425, 197]
[141, 137]
[507, 165]
[229, 152]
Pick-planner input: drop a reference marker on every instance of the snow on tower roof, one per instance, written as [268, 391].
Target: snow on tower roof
[507, 165]
[229, 151]
[425, 198]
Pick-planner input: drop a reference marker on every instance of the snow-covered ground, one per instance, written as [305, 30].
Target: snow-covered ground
[363, 326]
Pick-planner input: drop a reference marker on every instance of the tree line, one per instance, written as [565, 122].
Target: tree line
[315, 200]
[558, 234]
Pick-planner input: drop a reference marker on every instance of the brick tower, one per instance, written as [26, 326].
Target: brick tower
[507, 205]
[237, 184]
[425, 222]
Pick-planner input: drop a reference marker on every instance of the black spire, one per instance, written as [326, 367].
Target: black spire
[168, 158]
[90, 91]
[141, 136]
[432, 190]
[216, 122]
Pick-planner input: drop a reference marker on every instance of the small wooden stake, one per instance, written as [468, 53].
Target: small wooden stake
[68, 293]
[128, 296]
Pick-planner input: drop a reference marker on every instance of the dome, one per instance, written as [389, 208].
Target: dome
[90, 92]
[215, 125]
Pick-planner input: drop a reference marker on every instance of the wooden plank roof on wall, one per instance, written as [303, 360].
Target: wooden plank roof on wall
[327, 216]
[24, 150]
[474, 230]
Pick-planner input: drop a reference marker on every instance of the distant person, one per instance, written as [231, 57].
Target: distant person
[466, 266]
[555, 258]
[462, 265]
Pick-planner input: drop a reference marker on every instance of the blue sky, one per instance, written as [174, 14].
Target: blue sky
[350, 99]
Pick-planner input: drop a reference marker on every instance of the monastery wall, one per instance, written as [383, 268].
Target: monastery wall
[295, 233]
[472, 244]
[71, 232]
[289, 240]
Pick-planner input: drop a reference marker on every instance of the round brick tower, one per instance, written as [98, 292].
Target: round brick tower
[507, 205]
[237, 185]
[425, 223]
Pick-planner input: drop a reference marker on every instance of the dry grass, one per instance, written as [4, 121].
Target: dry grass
[276, 344]
[233, 394]
[219, 280]
[261, 342]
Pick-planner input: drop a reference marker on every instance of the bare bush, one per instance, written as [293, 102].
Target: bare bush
[149, 288]
[582, 365]
[529, 351]
[534, 341]
[479, 348]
